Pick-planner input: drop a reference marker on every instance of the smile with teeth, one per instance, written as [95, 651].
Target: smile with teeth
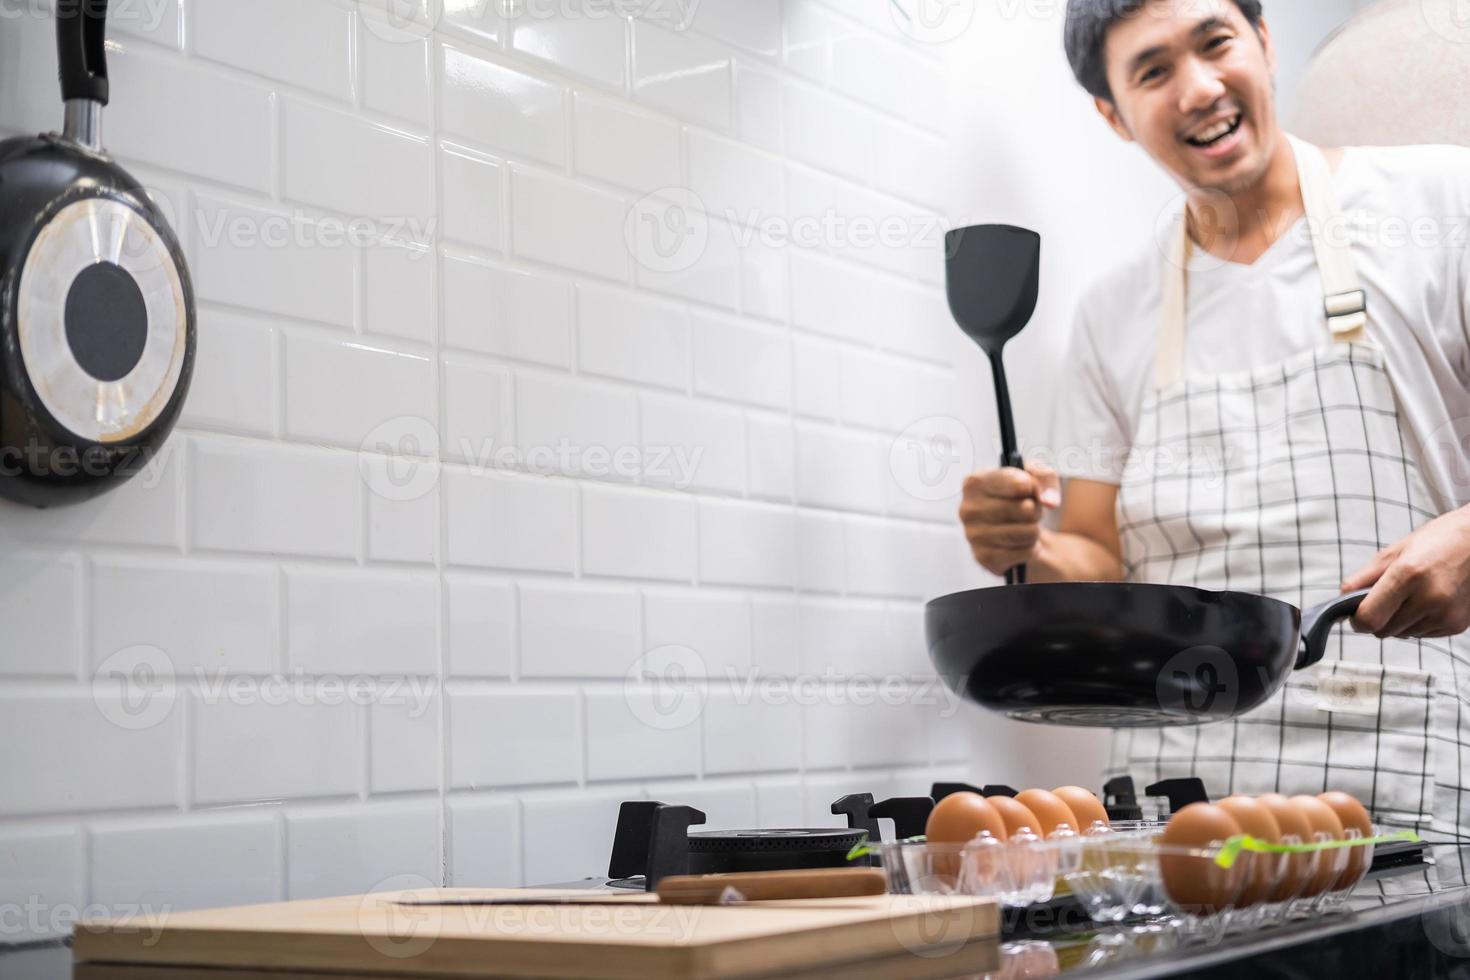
[1216, 132]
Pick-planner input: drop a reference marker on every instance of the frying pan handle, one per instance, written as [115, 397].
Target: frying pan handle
[1318, 623]
[81, 49]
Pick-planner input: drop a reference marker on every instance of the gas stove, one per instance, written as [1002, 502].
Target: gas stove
[654, 840]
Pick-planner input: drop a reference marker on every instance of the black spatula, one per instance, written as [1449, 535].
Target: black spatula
[994, 274]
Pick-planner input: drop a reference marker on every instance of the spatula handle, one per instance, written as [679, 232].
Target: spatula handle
[1010, 452]
[1017, 575]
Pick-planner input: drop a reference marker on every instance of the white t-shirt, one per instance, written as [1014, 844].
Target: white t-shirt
[1407, 212]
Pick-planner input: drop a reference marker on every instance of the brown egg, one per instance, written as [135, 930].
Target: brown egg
[1015, 814]
[1353, 816]
[1086, 807]
[1255, 819]
[957, 818]
[1049, 809]
[1195, 883]
[1322, 820]
[1293, 824]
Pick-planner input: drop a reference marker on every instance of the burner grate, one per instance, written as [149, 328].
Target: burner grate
[780, 839]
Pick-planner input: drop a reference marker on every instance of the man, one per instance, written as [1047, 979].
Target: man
[1277, 403]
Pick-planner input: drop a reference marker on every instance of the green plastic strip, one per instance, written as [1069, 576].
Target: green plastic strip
[863, 849]
[1245, 842]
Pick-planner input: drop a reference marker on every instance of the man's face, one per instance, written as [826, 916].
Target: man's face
[1183, 71]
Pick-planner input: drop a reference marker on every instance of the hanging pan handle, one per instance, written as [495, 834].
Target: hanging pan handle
[1318, 623]
[81, 49]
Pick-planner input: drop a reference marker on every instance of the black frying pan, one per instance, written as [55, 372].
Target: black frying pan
[1099, 654]
[1123, 655]
[96, 307]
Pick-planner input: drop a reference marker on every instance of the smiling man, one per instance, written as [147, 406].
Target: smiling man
[1276, 401]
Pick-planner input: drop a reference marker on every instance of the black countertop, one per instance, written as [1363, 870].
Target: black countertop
[1407, 939]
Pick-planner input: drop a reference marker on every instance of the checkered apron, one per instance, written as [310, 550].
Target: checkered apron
[1282, 481]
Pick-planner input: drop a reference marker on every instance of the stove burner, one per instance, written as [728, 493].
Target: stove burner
[778, 839]
[716, 851]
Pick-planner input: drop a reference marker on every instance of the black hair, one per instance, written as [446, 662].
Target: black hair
[1086, 33]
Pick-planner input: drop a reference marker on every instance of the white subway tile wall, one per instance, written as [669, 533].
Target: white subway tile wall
[538, 351]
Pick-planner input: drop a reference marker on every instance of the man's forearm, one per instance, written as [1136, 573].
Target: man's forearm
[1065, 557]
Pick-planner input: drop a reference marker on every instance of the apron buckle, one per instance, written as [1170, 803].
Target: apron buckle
[1346, 312]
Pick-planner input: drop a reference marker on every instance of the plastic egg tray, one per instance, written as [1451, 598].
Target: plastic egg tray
[1125, 873]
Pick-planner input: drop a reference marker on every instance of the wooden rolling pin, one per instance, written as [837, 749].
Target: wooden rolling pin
[766, 886]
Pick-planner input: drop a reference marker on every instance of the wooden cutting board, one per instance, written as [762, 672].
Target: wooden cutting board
[634, 939]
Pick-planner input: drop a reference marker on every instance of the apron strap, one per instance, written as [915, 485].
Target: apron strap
[1169, 367]
[1345, 304]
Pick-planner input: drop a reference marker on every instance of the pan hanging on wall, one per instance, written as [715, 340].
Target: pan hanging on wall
[97, 329]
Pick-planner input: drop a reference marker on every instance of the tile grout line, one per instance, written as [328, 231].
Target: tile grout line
[441, 531]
